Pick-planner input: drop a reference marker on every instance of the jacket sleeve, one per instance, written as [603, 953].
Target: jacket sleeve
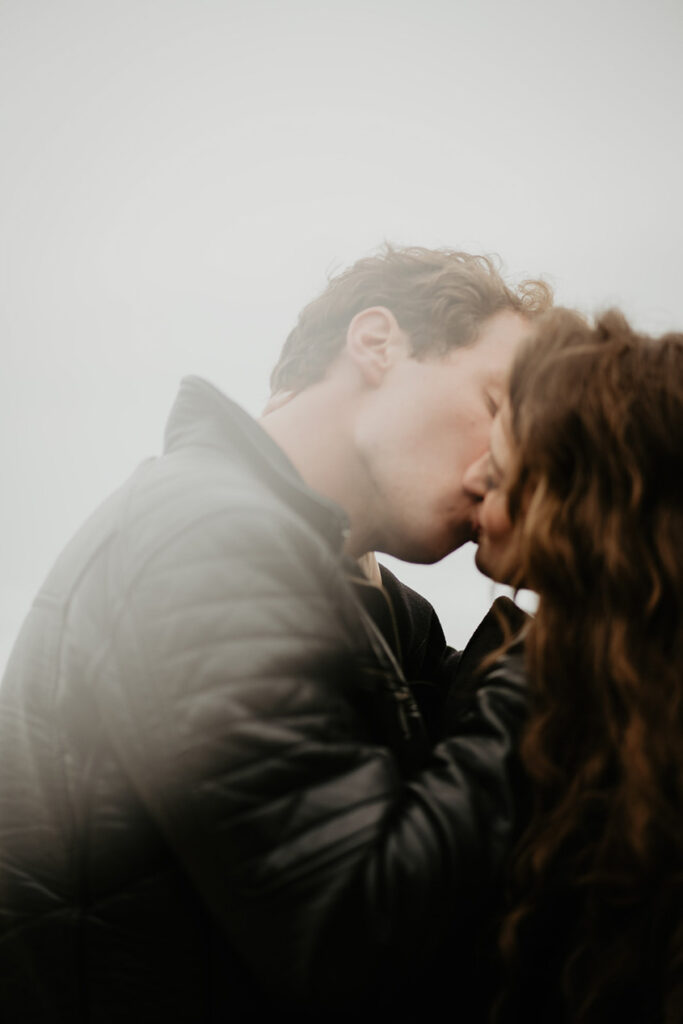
[229, 688]
[442, 678]
[429, 664]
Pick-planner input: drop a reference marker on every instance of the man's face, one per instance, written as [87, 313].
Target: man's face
[426, 423]
[488, 479]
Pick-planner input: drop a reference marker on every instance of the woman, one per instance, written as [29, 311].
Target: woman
[583, 503]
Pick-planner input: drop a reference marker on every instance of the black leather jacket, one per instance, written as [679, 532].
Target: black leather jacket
[217, 792]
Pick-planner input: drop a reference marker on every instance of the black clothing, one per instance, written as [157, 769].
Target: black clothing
[218, 797]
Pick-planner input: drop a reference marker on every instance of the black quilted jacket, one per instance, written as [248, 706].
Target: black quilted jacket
[218, 800]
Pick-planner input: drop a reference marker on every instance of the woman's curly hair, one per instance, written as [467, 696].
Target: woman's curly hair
[596, 501]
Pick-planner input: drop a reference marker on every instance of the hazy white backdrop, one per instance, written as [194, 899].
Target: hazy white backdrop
[178, 177]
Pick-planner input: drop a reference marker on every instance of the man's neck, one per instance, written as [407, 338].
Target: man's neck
[315, 430]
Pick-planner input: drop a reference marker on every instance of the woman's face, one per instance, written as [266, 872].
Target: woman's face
[487, 479]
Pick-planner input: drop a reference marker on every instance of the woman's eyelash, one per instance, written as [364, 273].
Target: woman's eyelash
[492, 476]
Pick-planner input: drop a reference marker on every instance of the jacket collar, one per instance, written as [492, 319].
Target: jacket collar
[203, 416]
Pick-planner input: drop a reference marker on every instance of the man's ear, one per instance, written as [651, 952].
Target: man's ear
[374, 341]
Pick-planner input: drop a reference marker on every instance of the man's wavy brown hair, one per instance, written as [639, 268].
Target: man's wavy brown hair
[596, 501]
[440, 297]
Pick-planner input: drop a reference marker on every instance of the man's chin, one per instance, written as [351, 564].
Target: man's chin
[426, 551]
[444, 546]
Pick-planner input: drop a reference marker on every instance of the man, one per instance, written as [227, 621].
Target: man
[218, 797]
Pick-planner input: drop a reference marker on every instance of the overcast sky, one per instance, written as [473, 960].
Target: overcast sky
[178, 177]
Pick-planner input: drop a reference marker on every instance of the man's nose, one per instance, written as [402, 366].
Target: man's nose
[474, 479]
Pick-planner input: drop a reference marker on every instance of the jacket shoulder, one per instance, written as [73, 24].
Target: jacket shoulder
[188, 504]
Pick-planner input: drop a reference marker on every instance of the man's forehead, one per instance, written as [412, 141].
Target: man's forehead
[490, 364]
[486, 362]
[497, 344]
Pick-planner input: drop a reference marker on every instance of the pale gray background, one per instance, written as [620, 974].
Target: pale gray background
[178, 176]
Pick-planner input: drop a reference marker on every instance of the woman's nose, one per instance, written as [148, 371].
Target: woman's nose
[474, 479]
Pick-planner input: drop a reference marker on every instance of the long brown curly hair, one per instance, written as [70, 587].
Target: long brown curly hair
[596, 502]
